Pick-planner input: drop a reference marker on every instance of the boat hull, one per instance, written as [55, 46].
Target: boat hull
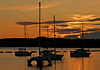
[22, 54]
[54, 56]
[80, 54]
[39, 61]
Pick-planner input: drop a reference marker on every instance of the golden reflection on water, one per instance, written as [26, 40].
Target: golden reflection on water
[8, 61]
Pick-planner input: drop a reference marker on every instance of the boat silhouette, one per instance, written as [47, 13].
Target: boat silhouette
[81, 52]
[48, 53]
[39, 59]
[22, 51]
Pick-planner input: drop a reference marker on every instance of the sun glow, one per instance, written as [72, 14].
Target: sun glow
[79, 37]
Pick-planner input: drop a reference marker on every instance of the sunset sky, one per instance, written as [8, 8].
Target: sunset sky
[69, 16]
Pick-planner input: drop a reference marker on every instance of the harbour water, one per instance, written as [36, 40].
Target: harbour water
[8, 61]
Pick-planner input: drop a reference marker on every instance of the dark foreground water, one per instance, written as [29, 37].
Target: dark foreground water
[8, 61]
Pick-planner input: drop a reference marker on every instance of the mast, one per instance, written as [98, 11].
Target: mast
[54, 33]
[25, 35]
[82, 37]
[39, 24]
[54, 39]
[47, 32]
[25, 30]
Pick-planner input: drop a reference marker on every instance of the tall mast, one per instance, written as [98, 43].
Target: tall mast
[54, 33]
[54, 25]
[54, 39]
[82, 37]
[39, 24]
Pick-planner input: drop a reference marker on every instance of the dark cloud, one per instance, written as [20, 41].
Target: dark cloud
[26, 23]
[94, 35]
[66, 31]
[96, 24]
[52, 22]
[47, 22]
[96, 19]
[92, 29]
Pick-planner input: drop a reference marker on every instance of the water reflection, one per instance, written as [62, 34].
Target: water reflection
[68, 64]
[80, 64]
[8, 61]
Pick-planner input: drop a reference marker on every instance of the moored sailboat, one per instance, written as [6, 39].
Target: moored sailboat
[22, 51]
[39, 59]
[48, 53]
[51, 55]
[81, 52]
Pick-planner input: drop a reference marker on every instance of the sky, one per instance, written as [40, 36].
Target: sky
[69, 16]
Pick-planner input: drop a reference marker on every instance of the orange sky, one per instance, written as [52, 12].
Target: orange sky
[87, 11]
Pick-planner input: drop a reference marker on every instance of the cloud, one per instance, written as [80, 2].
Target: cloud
[96, 24]
[82, 17]
[30, 7]
[72, 36]
[45, 26]
[96, 19]
[62, 25]
[94, 35]
[52, 22]
[26, 23]
[92, 29]
[47, 22]
[23, 8]
[66, 31]
[89, 34]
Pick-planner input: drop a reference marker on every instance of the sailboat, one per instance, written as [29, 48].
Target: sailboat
[22, 51]
[48, 53]
[39, 59]
[81, 52]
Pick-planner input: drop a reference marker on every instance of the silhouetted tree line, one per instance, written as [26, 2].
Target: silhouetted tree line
[49, 42]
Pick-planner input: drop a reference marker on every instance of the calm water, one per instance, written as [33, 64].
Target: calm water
[8, 61]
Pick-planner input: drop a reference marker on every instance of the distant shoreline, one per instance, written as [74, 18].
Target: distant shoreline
[49, 42]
